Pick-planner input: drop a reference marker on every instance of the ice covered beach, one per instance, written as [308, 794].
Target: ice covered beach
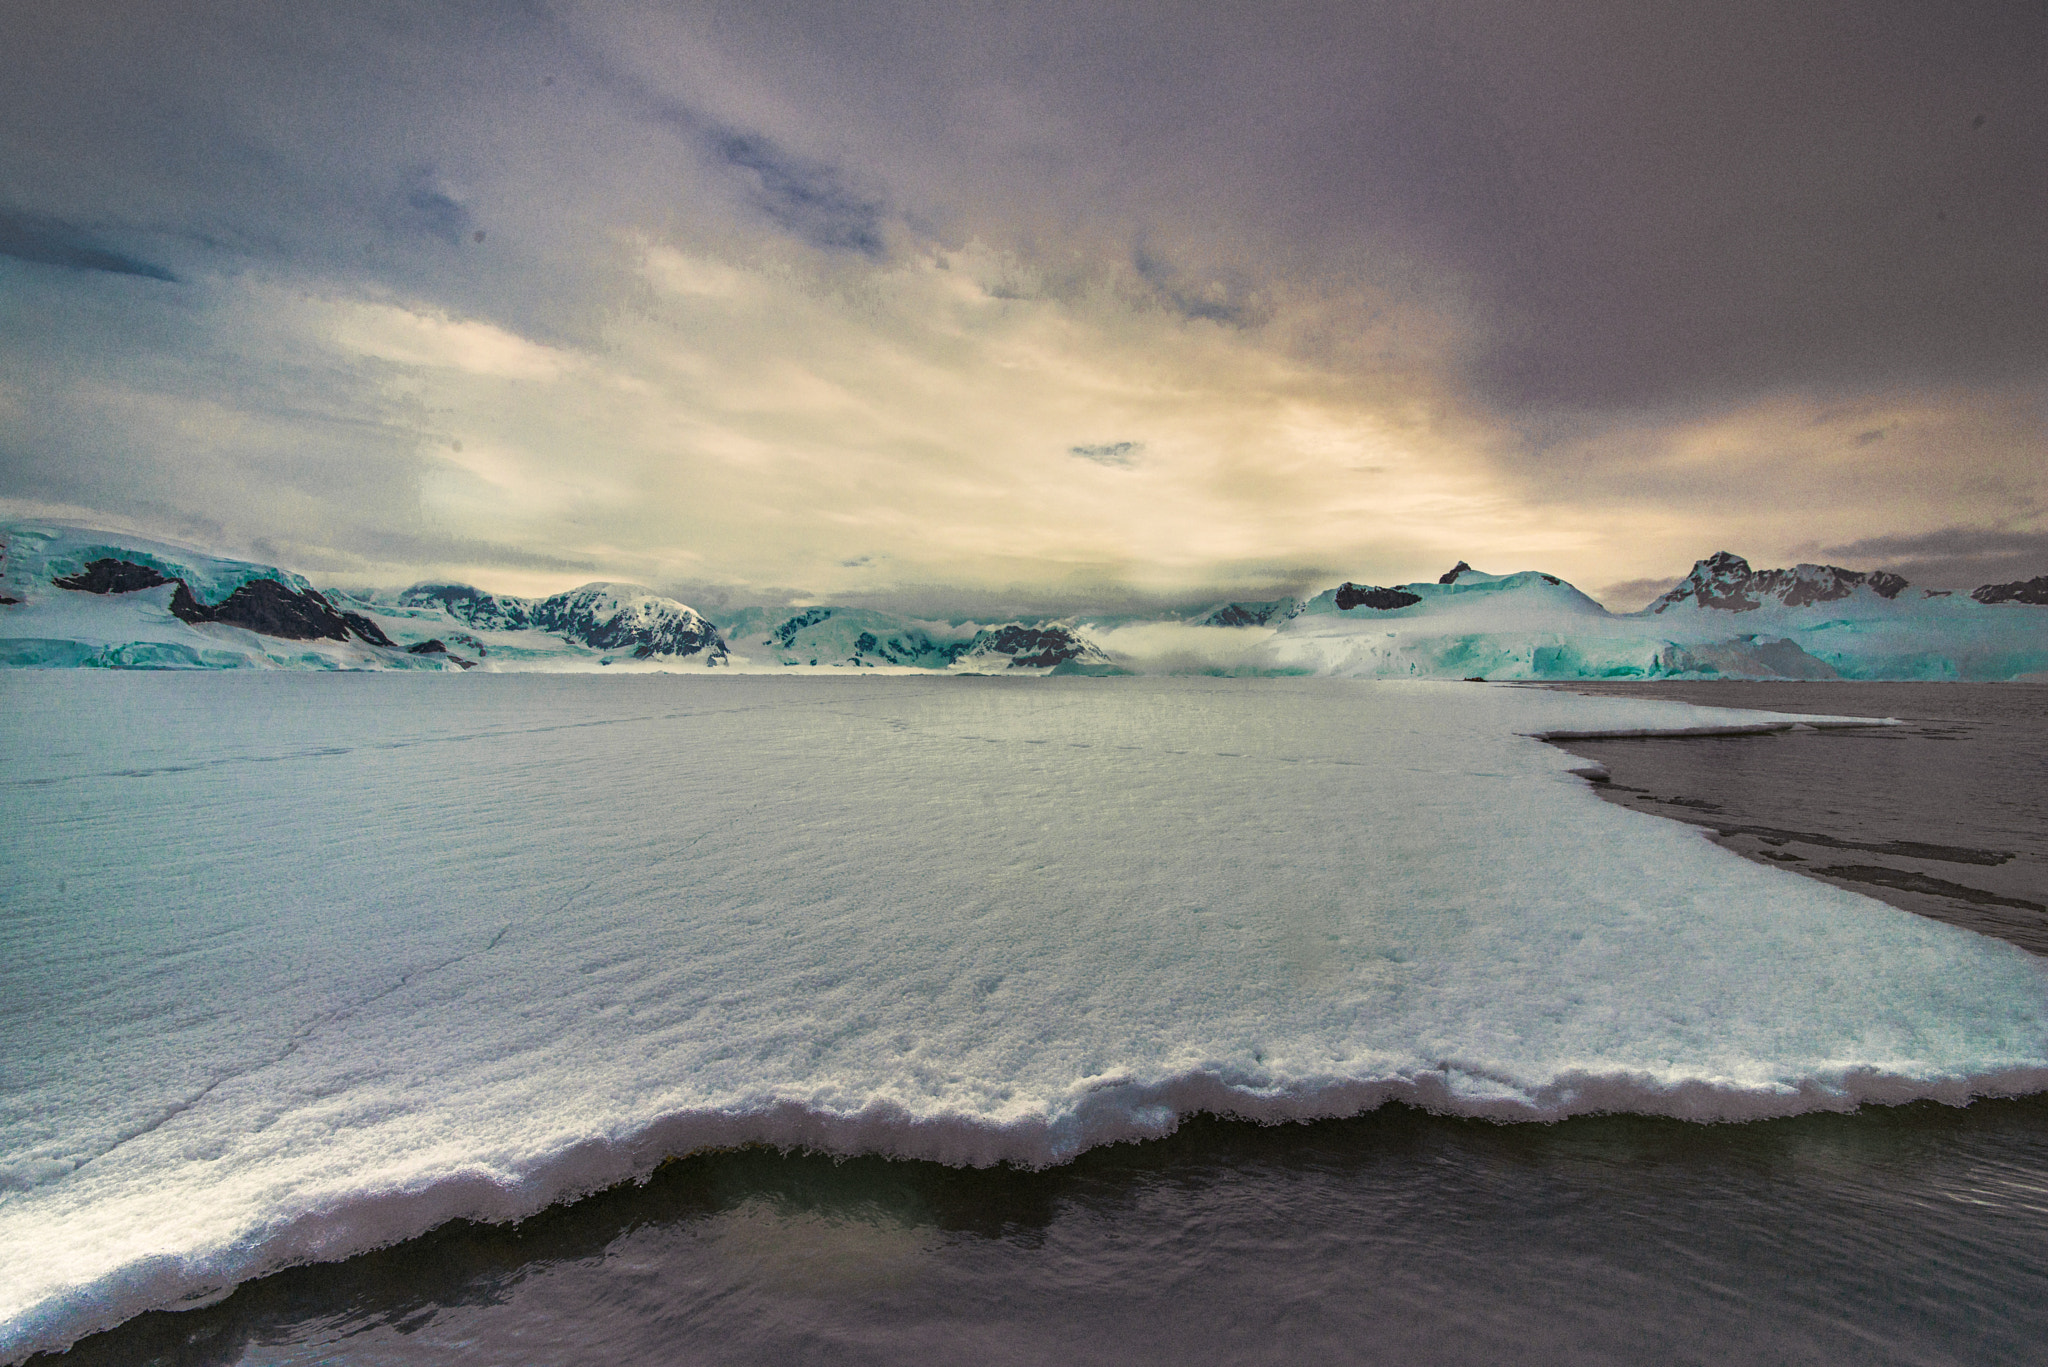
[302, 964]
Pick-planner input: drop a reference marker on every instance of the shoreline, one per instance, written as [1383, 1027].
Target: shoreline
[1939, 816]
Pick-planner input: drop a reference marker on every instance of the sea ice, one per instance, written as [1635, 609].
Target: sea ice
[294, 965]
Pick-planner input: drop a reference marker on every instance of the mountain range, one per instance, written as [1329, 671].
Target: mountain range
[73, 596]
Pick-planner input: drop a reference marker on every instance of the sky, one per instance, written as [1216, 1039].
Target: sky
[1038, 305]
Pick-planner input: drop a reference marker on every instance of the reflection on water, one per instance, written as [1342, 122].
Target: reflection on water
[1911, 1235]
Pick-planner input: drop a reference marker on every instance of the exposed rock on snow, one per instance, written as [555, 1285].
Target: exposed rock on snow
[268, 607]
[264, 606]
[1351, 596]
[87, 598]
[862, 638]
[111, 576]
[625, 617]
[465, 604]
[1043, 647]
[1727, 582]
[2033, 591]
[439, 647]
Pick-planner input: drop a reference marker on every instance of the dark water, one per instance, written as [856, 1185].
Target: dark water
[1917, 1235]
[1909, 1235]
[1946, 816]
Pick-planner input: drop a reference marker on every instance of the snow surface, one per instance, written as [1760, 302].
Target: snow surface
[297, 965]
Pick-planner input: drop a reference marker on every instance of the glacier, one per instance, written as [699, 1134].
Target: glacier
[300, 964]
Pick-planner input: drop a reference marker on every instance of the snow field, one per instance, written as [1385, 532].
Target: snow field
[294, 965]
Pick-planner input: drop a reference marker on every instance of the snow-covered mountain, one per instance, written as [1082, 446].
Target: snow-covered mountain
[620, 618]
[1271, 612]
[2033, 592]
[863, 638]
[73, 596]
[1724, 620]
[1726, 583]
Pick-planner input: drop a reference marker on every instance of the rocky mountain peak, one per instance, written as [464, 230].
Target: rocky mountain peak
[2033, 591]
[1725, 582]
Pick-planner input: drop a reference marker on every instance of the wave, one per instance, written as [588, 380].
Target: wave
[1110, 1112]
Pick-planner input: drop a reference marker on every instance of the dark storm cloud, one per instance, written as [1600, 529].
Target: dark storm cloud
[1635, 206]
[50, 242]
[423, 206]
[1730, 198]
[1954, 557]
[812, 199]
[809, 199]
[1222, 297]
[1640, 205]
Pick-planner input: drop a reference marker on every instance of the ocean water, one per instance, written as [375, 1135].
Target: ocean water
[1945, 814]
[300, 966]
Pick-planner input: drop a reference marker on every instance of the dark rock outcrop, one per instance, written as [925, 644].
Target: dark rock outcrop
[112, 576]
[1451, 575]
[487, 611]
[367, 629]
[260, 605]
[785, 634]
[2033, 591]
[439, 647]
[268, 608]
[1034, 647]
[1351, 596]
[1726, 582]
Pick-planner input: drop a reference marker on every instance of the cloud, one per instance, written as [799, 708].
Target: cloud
[1225, 296]
[50, 242]
[406, 337]
[809, 199]
[1118, 453]
[1953, 557]
[426, 207]
[769, 289]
